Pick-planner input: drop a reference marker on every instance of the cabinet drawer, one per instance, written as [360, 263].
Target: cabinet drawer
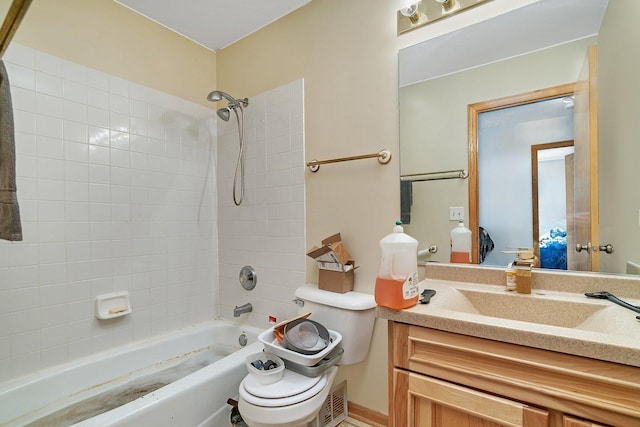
[435, 403]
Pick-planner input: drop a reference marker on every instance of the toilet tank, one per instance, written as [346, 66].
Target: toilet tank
[351, 314]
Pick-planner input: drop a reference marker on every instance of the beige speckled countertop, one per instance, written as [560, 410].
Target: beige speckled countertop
[566, 322]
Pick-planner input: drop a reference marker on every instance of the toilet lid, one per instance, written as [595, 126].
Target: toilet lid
[291, 389]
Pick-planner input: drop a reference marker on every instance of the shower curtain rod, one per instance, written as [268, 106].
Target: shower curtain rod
[384, 157]
[16, 12]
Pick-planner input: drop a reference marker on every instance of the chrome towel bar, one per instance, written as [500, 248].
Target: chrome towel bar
[429, 176]
[384, 157]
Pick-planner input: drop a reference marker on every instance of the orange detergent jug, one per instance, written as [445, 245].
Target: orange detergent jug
[397, 282]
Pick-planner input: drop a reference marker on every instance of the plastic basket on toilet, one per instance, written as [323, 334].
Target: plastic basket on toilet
[257, 362]
[272, 345]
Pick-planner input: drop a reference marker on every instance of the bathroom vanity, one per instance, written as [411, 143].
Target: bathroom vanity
[479, 355]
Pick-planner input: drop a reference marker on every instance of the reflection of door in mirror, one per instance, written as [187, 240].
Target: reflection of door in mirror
[550, 185]
[501, 133]
[586, 167]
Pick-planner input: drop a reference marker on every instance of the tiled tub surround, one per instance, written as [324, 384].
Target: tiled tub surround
[267, 230]
[115, 194]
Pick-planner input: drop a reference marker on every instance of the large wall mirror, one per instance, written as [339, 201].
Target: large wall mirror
[539, 46]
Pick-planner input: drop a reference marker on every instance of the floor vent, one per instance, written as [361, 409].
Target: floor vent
[334, 409]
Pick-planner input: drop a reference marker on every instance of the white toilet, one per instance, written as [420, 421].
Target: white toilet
[295, 400]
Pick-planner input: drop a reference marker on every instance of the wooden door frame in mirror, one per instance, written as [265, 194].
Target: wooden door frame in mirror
[473, 111]
[535, 211]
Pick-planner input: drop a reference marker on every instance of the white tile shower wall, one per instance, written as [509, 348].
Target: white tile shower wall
[115, 194]
[267, 230]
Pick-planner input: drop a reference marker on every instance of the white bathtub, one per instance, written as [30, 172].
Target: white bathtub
[197, 399]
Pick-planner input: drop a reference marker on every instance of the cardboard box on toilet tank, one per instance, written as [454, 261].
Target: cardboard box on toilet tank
[335, 266]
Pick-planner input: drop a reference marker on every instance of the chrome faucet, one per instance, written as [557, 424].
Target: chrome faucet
[246, 308]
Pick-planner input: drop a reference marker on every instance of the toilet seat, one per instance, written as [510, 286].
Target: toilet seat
[291, 389]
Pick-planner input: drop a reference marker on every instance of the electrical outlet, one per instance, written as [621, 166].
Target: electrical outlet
[456, 213]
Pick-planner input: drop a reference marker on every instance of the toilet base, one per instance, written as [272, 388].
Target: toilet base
[297, 415]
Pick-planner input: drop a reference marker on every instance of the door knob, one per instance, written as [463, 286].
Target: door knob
[580, 248]
[608, 248]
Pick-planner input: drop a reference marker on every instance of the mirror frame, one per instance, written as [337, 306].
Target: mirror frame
[473, 111]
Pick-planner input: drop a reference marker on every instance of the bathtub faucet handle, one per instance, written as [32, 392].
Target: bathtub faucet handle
[245, 308]
[298, 302]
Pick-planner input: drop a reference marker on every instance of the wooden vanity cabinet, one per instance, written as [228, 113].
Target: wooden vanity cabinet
[442, 379]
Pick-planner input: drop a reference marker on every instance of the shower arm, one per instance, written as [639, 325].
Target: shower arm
[233, 102]
[238, 103]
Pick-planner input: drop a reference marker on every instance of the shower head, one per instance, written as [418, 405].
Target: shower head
[224, 113]
[217, 95]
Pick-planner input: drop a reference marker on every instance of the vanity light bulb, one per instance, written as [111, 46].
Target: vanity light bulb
[449, 6]
[410, 10]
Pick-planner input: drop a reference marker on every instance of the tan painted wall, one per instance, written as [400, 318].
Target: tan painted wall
[104, 35]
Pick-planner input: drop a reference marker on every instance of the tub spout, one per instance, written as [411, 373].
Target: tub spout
[246, 308]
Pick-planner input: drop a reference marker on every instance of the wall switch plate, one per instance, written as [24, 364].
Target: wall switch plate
[456, 213]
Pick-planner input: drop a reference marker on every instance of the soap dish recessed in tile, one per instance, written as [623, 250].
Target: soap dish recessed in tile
[109, 306]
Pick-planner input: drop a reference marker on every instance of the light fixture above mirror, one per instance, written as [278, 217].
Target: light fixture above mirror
[414, 14]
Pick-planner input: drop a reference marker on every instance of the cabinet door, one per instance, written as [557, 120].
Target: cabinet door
[435, 403]
[569, 421]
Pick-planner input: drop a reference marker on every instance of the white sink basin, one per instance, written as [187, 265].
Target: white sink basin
[562, 309]
[527, 308]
